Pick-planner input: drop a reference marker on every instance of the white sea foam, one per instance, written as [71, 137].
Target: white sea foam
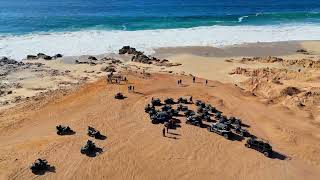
[241, 18]
[99, 41]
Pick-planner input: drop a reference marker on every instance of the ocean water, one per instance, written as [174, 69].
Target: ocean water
[75, 27]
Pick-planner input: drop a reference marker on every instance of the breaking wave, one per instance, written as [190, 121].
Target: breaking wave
[109, 41]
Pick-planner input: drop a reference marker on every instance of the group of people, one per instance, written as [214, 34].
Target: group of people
[116, 78]
[193, 80]
[130, 88]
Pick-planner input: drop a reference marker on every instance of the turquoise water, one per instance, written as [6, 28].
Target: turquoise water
[29, 16]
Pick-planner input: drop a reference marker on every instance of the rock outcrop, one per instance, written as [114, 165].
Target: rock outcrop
[129, 50]
[109, 68]
[303, 63]
[43, 56]
[140, 57]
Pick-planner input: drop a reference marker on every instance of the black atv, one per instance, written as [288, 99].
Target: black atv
[242, 132]
[92, 132]
[169, 101]
[90, 148]
[166, 107]
[64, 130]
[40, 166]
[148, 108]
[194, 120]
[183, 100]
[260, 146]
[205, 116]
[189, 113]
[173, 112]
[181, 107]
[200, 103]
[119, 96]
[156, 102]
[152, 112]
[220, 129]
[235, 121]
[160, 117]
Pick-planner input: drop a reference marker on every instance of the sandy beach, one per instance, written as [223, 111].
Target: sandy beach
[272, 87]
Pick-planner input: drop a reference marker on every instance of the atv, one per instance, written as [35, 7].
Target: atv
[148, 108]
[64, 130]
[182, 100]
[194, 120]
[260, 145]
[242, 132]
[181, 107]
[189, 113]
[173, 112]
[40, 166]
[89, 148]
[156, 102]
[160, 117]
[205, 116]
[94, 133]
[166, 107]
[199, 103]
[235, 121]
[169, 101]
[220, 129]
[119, 96]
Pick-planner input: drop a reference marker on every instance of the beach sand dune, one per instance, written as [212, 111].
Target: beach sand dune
[134, 147]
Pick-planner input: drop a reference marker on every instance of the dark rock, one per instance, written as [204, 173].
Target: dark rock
[5, 60]
[31, 57]
[17, 99]
[43, 56]
[128, 50]
[92, 58]
[290, 91]
[301, 51]
[142, 58]
[57, 56]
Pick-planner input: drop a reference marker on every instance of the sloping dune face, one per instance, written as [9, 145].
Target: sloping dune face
[135, 148]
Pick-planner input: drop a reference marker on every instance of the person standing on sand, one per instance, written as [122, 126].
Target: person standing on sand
[133, 88]
[164, 132]
[206, 82]
[194, 79]
[168, 127]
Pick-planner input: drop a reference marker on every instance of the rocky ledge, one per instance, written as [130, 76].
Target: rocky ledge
[43, 56]
[140, 57]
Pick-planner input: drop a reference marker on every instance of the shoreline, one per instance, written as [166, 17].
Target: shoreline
[100, 41]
